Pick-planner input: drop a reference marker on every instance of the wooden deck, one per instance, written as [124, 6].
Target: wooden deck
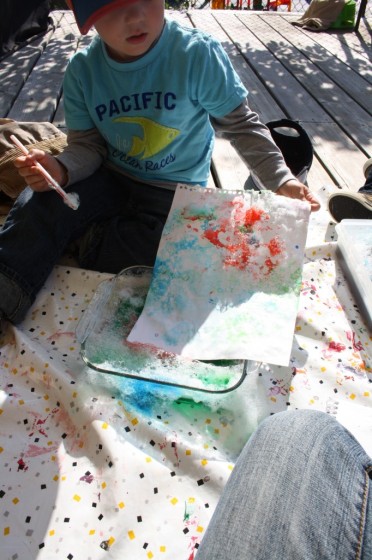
[323, 80]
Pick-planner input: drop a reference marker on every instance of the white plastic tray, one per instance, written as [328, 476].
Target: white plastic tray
[355, 252]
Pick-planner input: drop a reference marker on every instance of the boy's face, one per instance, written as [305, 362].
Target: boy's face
[130, 31]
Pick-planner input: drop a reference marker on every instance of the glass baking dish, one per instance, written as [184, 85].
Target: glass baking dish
[107, 322]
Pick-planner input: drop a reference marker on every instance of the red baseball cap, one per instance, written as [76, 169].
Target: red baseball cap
[87, 12]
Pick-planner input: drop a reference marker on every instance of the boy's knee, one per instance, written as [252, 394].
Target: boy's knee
[14, 300]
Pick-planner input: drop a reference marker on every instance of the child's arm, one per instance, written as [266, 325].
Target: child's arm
[255, 145]
[295, 189]
[84, 153]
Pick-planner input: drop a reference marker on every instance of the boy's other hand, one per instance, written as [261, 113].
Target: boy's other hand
[295, 189]
[32, 175]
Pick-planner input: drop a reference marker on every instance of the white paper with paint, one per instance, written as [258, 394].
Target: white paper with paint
[227, 276]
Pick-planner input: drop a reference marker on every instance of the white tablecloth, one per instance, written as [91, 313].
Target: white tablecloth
[95, 466]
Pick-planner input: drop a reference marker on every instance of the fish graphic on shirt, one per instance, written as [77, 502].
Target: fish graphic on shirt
[155, 138]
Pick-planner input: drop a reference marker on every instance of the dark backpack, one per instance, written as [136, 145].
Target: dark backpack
[295, 145]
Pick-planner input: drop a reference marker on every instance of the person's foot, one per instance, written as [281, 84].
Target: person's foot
[367, 168]
[348, 205]
[352, 205]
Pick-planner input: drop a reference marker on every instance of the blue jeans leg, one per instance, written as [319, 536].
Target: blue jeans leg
[301, 489]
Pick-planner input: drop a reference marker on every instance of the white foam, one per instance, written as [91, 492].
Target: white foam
[72, 200]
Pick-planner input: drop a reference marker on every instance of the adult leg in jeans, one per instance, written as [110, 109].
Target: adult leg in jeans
[38, 229]
[301, 489]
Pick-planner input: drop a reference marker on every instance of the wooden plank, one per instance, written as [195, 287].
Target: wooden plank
[318, 176]
[231, 172]
[358, 60]
[351, 41]
[359, 41]
[229, 169]
[260, 99]
[39, 97]
[15, 70]
[344, 94]
[348, 77]
[250, 35]
[332, 146]
[59, 116]
[334, 101]
[364, 32]
[16, 67]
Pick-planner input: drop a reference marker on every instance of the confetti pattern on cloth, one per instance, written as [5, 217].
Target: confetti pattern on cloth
[227, 276]
[95, 466]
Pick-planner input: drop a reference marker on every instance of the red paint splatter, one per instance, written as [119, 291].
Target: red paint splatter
[40, 422]
[22, 465]
[58, 334]
[306, 287]
[252, 216]
[213, 237]
[278, 388]
[164, 444]
[275, 246]
[175, 450]
[36, 450]
[270, 265]
[336, 346]
[357, 346]
[240, 252]
[240, 261]
[234, 236]
[151, 349]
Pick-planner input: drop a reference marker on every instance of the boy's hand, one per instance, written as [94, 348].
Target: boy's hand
[27, 169]
[295, 189]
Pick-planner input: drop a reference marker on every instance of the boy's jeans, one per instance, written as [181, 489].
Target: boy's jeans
[128, 219]
[301, 490]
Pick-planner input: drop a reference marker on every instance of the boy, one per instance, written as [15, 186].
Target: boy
[139, 104]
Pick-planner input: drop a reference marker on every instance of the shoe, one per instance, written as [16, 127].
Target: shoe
[366, 167]
[350, 206]
[345, 205]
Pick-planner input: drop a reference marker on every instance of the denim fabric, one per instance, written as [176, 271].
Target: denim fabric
[40, 226]
[300, 490]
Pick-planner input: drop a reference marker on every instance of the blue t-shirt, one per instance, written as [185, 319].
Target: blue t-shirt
[154, 111]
